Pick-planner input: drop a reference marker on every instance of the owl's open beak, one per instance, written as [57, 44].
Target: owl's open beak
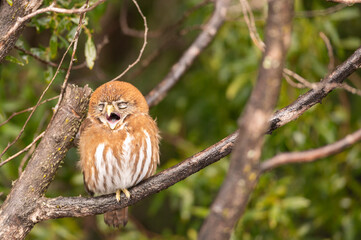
[112, 117]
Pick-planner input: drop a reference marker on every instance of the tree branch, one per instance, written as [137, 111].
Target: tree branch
[315, 95]
[311, 155]
[243, 172]
[10, 28]
[16, 213]
[81, 206]
[201, 42]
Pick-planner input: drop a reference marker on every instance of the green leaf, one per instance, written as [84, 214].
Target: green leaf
[53, 46]
[294, 203]
[90, 53]
[10, 2]
[14, 60]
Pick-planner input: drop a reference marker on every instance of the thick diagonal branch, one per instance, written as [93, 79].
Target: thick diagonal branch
[201, 42]
[18, 212]
[243, 173]
[10, 28]
[80, 206]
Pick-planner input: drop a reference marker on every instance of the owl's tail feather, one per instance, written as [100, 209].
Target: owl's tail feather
[116, 218]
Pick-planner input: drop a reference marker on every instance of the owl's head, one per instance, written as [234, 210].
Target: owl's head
[112, 102]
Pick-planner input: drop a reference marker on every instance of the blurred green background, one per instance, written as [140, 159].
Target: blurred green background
[319, 200]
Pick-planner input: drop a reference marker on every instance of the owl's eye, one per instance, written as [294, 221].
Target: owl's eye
[122, 105]
[101, 107]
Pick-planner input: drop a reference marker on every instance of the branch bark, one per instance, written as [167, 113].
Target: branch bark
[315, 95]
[10, 29]
[243, 173]
[313, 154]
[187, 59]
[80, 206]
[18, 212]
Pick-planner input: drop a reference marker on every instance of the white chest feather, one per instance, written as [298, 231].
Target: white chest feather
[124, 169]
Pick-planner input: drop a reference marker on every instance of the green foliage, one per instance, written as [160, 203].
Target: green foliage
[318, 200]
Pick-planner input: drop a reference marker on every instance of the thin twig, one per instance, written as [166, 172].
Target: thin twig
[76, 38]
[312, 155]
[200, 43]
[33, 147]
[153, 34]
[303, 81]
[292, 83]
[249, 19]
[23, 150]
[143, 47]
[53, 64]
[43, 93]
[26, 110]
[99, 47]
[36, 106]
[326, 40]
[322, 12]
[51, 8]
[349, 88]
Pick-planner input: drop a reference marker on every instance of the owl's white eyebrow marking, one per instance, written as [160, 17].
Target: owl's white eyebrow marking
[149, 156]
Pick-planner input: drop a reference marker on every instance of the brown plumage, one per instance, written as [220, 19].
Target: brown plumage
[118, 143]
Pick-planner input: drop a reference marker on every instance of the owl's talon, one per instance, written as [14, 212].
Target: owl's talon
[126, 192]
[117, 195]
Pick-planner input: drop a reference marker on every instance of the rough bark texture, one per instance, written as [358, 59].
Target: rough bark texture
[243, 173]
[10, 28]
[314, 96]
[202, 41]
[18, 212]
[80, 206]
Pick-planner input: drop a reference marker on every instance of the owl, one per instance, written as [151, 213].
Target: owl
[118, 144]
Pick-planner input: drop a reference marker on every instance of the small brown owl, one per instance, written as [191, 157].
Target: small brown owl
[118, 145]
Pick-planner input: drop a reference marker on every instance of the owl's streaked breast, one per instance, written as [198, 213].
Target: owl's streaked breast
[121, 163]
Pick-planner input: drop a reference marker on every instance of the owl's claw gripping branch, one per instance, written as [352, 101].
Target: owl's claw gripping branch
[126, 192]
[117, 195]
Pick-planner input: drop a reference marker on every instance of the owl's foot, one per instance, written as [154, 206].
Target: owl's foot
[125, 191]
[117, 195]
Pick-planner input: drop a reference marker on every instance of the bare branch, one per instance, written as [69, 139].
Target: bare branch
[202, 41]
[23, 150]
[20, 205]
[249, 19]
[75, 41]
[99, 47]
[10, 28]
[80, 206]
[312, 155]
[21, 20]
[322, 12]
[52, 8]
[326, 40]
[143, 47]
[315, 95]
[350, 89]
[26, 110]
[33, 147]
[243, 172]
[153, 34]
